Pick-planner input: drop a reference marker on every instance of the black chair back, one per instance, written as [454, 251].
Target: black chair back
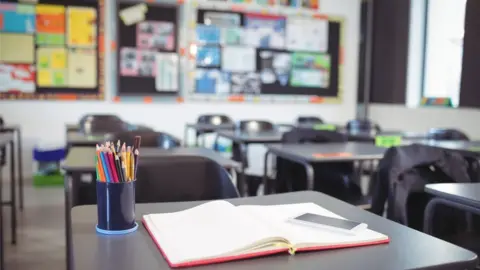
[182, 178]
[309, 120]
[255, 126]
[214, 119]
[2, 149]
[102, 124]
[104, 117]
[447, 134]
[362, 125]
[149, 138]
[305, 135]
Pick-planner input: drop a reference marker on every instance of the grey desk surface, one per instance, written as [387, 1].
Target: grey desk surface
[76, 138]
[468, 146]
[72, 127]
[408, 248]
[202, 127]
[330, 151]
[464, 193]
[81, 159]
[370, 136]
[252, 137]
[9, 128]
[5, 138]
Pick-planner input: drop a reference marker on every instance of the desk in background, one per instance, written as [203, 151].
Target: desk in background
[307, 154]
[76, 139]
[463, 196]
[200, 128]
[72, 128]
[466, 147]
[80, 160]
[8, 139]
[244, 139]
[408, 248]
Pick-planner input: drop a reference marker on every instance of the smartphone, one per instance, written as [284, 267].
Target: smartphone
[324, 222]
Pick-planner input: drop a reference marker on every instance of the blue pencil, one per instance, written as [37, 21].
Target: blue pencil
[106, 168]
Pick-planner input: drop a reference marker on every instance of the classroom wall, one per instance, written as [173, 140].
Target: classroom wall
[45, 120]
[397, 117]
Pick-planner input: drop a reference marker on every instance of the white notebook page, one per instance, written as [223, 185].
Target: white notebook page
[277, 215]
[208, 230]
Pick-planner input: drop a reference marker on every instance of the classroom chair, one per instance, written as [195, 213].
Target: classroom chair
[255, 126]
[102, 124]
[211, 119]
[447, 134]
[149, 138]
[182, 178]
[362, 125]
[309, 120]
[104, 117]
[337, 179]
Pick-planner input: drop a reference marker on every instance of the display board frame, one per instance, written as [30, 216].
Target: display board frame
[249, 8]
[50, 75]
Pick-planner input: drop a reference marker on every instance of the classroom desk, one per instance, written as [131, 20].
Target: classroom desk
[8, 139]
[244, 139]
[306, 154]
[15, 129]
[80, 139]
[72, 128]
[80, 161]
[467, 147]
[200, 128]
[408, 248]
[370, 136]
[463, 196]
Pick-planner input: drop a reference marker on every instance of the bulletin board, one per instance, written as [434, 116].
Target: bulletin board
[148, 60]
[263, 52]
[50, 49]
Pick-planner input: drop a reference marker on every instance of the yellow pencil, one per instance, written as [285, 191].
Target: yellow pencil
[132, 166]
[129, 173]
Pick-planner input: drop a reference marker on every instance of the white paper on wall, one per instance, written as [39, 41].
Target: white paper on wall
[238, 59]
[304, 34]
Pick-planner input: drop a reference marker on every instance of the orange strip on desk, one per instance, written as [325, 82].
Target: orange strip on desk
[329, 155]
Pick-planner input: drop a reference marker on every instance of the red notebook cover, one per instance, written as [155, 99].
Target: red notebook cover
[255, 254]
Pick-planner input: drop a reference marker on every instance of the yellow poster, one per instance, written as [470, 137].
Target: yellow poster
[82, 68]
[16, 48]
[51, 67]
[82, 27]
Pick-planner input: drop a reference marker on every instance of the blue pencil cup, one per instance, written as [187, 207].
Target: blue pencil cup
[116, 207]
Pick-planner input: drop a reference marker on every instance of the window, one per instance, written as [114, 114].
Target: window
[443, 49]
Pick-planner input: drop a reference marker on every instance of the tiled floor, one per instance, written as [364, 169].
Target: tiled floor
[40, 240]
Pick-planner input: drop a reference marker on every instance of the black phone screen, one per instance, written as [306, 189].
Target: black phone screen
[328, 221]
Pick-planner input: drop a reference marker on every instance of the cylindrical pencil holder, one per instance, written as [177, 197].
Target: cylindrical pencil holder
[116, 207]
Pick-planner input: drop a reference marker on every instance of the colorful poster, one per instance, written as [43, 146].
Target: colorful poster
[312, 4]
[208, 56]
[275, 67]
[290, 3]
[82, 68]
[232, 36]
[265, 31]
[212, 81]
[51, 67]
[17, 78]
[82, 27]
[50, 24]
[310, 70]
[304, 34]
[16, 48]
[208, 34]
[156, 35]
[238, 59]
[222, 19]
[135, 62]
[166, 78]
[246, 83]
[128, 62]
[17, 18]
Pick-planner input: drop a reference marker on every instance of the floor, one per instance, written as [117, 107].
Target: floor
[40, 233]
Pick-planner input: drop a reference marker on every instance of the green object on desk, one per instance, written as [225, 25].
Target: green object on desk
[329, 127]
[41, 180]
[388, 141]
[474, 149]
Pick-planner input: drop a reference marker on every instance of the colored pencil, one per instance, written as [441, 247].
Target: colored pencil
[129, 173]
[136, 164]
[117, 164]
[105, 167]
[132, 166]
[112, 167]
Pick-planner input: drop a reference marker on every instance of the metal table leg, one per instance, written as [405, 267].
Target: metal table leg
[2, 250]
[68, 222]
[20, 168]
[185, 136]
[13, 193]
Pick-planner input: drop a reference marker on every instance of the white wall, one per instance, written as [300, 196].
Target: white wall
[45, 120]
[421, 119]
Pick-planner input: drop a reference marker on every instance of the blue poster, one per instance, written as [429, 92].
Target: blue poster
[212, 81]
[208, 56]
[17, 18]
[265, 31]
[208, 34]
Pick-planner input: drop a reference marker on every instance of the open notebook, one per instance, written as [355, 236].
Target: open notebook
[218, 231]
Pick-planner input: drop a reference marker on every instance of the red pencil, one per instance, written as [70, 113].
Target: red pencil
[111, 164]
